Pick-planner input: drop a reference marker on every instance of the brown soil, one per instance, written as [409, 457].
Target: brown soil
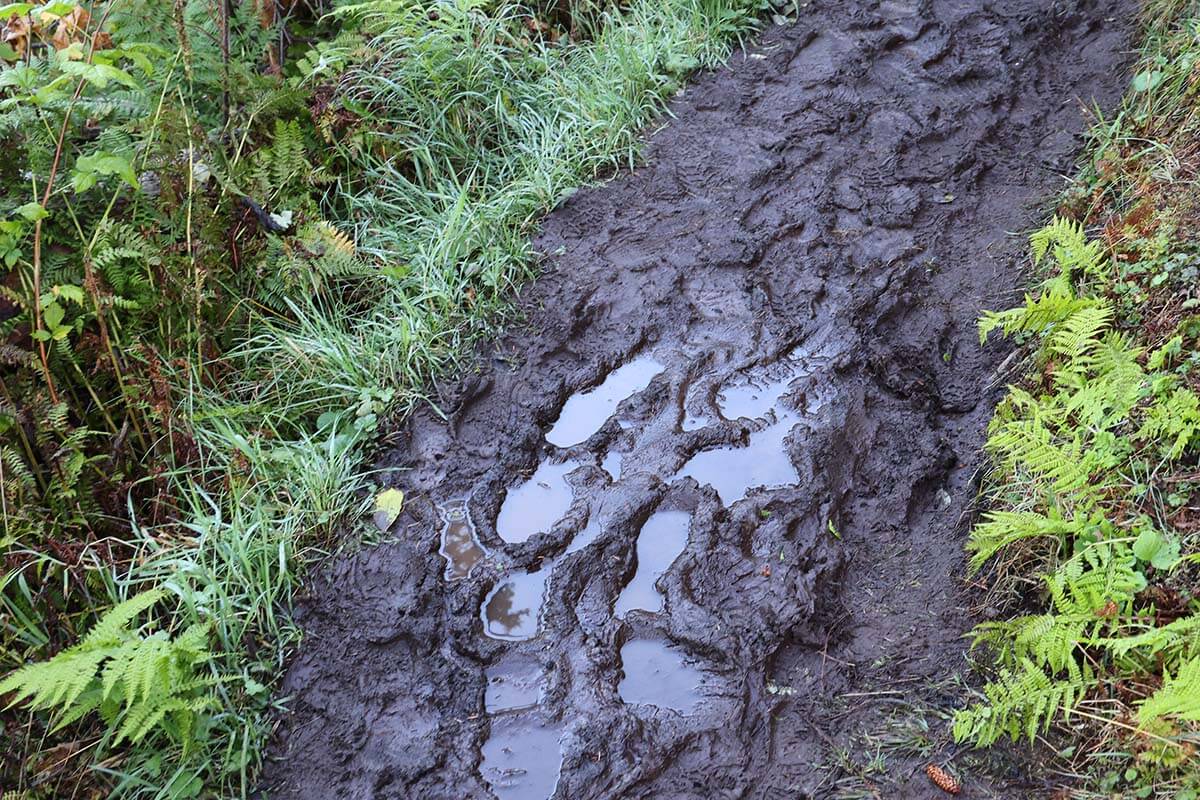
[793, 281]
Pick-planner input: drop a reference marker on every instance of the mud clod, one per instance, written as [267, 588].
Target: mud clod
[768, 333]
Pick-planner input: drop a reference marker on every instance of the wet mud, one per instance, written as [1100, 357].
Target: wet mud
[717, 484]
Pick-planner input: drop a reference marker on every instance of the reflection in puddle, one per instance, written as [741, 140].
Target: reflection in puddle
[521, 758]
[655, 674]
[659, 543]
[585, 412]
[512, 684]
[512, 609]
[535, 505]
[460, 546]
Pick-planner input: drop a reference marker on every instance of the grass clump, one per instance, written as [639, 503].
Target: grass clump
[227, 261]
[1092, 540]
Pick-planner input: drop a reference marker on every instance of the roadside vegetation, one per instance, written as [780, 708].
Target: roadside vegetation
[235, 237]
[1090, 547]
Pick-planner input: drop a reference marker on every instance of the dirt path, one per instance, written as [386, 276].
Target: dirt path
[759, 512]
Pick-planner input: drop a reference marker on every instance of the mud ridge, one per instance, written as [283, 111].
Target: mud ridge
[720, 479]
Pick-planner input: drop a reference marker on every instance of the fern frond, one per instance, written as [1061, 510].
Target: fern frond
[1178, 698]
[1002, 528]
[1080, 332]
[1021, 702]
[1176, 420]
[1181, 633]
[107, 632]
[1071, 248]
[1055, 304]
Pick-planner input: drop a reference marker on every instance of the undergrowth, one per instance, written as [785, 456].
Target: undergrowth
[1092, 541]
[233, 243]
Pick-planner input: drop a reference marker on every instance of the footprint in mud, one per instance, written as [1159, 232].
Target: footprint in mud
[655, 674]
[460, 545]
[763, 461]
[585, 412]
[512, 685]
[522, 757]
[535, 505]
[659, 543]
[512, 610]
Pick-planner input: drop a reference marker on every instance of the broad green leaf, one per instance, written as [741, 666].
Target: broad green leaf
[1145, 81]
[56, 8]
[117, 74]
[87, 168]
[33, 211]
[1155, 549]
[53, 315]
[17, 9]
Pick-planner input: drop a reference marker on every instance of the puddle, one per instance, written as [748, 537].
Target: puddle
[513, 608]
[585, 412]
[522, 758]
[654, 674]
[535, 505]
[734, 471]
[512, 684]
[752, 400]
[612, 465]
[659, 543]
[460, 546]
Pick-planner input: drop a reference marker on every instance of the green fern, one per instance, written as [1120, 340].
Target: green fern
[1020, 702]
[305, 264]
[1003, 528]
[1056, 304]
[1174, 421]
[1182, 634]
[1179, 697]
[137, 682]
[1070, 246]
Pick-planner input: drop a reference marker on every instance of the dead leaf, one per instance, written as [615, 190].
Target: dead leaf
[388, 505]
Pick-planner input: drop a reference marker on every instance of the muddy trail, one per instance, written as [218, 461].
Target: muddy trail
[686, 525]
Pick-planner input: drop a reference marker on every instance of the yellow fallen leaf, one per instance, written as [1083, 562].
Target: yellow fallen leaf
[388, 505]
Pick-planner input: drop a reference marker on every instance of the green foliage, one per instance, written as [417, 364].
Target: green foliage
[138, 682]
[1179, 697]
[245, 259]
[1021, 702]
[1064, 446]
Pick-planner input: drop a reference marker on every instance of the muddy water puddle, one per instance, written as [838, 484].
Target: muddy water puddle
[460, 545]
[585, 412]
[513, 684]
[655, 674]
[513, 608]
[659, 543]
[536, 504]
[763, 462]
[522, 757]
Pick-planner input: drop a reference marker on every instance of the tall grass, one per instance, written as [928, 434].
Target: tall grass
[472, 129]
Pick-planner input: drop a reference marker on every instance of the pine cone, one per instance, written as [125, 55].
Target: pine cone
[942, 779]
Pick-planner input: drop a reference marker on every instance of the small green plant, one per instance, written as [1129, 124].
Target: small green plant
[138, 680]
